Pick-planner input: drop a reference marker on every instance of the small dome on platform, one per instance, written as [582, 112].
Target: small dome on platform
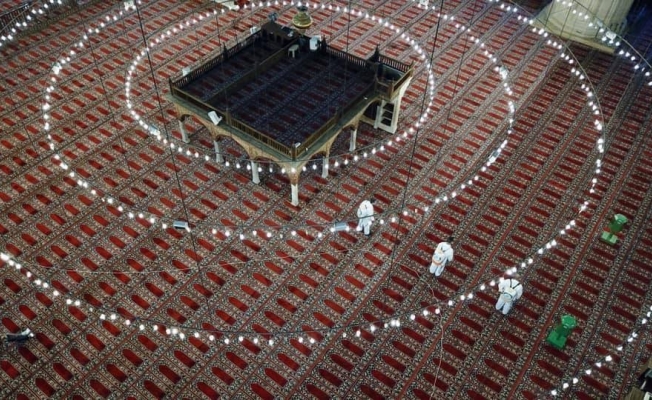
[302, 20]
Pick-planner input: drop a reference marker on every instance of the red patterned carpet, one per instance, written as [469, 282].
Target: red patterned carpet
[306, 313]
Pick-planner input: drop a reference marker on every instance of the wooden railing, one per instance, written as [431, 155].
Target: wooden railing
[398, 83]
[388, 88]
[375, 87]
[199, 71]
[319, 133]
[397, 65]
[230, 121]
[261, 137]
[316, 135]
[357, 61]
[213, 62]
[382, 87]
[180, 94]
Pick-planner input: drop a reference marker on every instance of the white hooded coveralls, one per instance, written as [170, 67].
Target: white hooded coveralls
[365, 216]
[510, 290]
[441, 257]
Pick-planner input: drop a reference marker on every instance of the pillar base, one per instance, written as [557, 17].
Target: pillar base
[609, 238]
[218, 153]
[184, 134]
[556, 341]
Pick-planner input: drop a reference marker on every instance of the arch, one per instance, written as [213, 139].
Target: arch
[370, 111]
[219, 134]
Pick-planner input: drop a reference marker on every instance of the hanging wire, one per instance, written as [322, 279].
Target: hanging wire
[346, 59]
[330, 73]
[106, 97]
[191, 234]
[403, 201]
[441, 355]
[415, 140]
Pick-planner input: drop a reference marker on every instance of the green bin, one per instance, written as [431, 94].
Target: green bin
[616, 225]
[558, 336]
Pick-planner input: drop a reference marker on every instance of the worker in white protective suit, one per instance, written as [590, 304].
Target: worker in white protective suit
[510, 290]
[442, 256]
[20, 336]
[366, 216]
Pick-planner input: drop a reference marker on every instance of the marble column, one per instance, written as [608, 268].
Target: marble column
[354, 135]
[397, 109]
[324, 167]
[379, 114]
[254, 172]
[184, 134]
[295, 193]
[218, 152]
[293, 175]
